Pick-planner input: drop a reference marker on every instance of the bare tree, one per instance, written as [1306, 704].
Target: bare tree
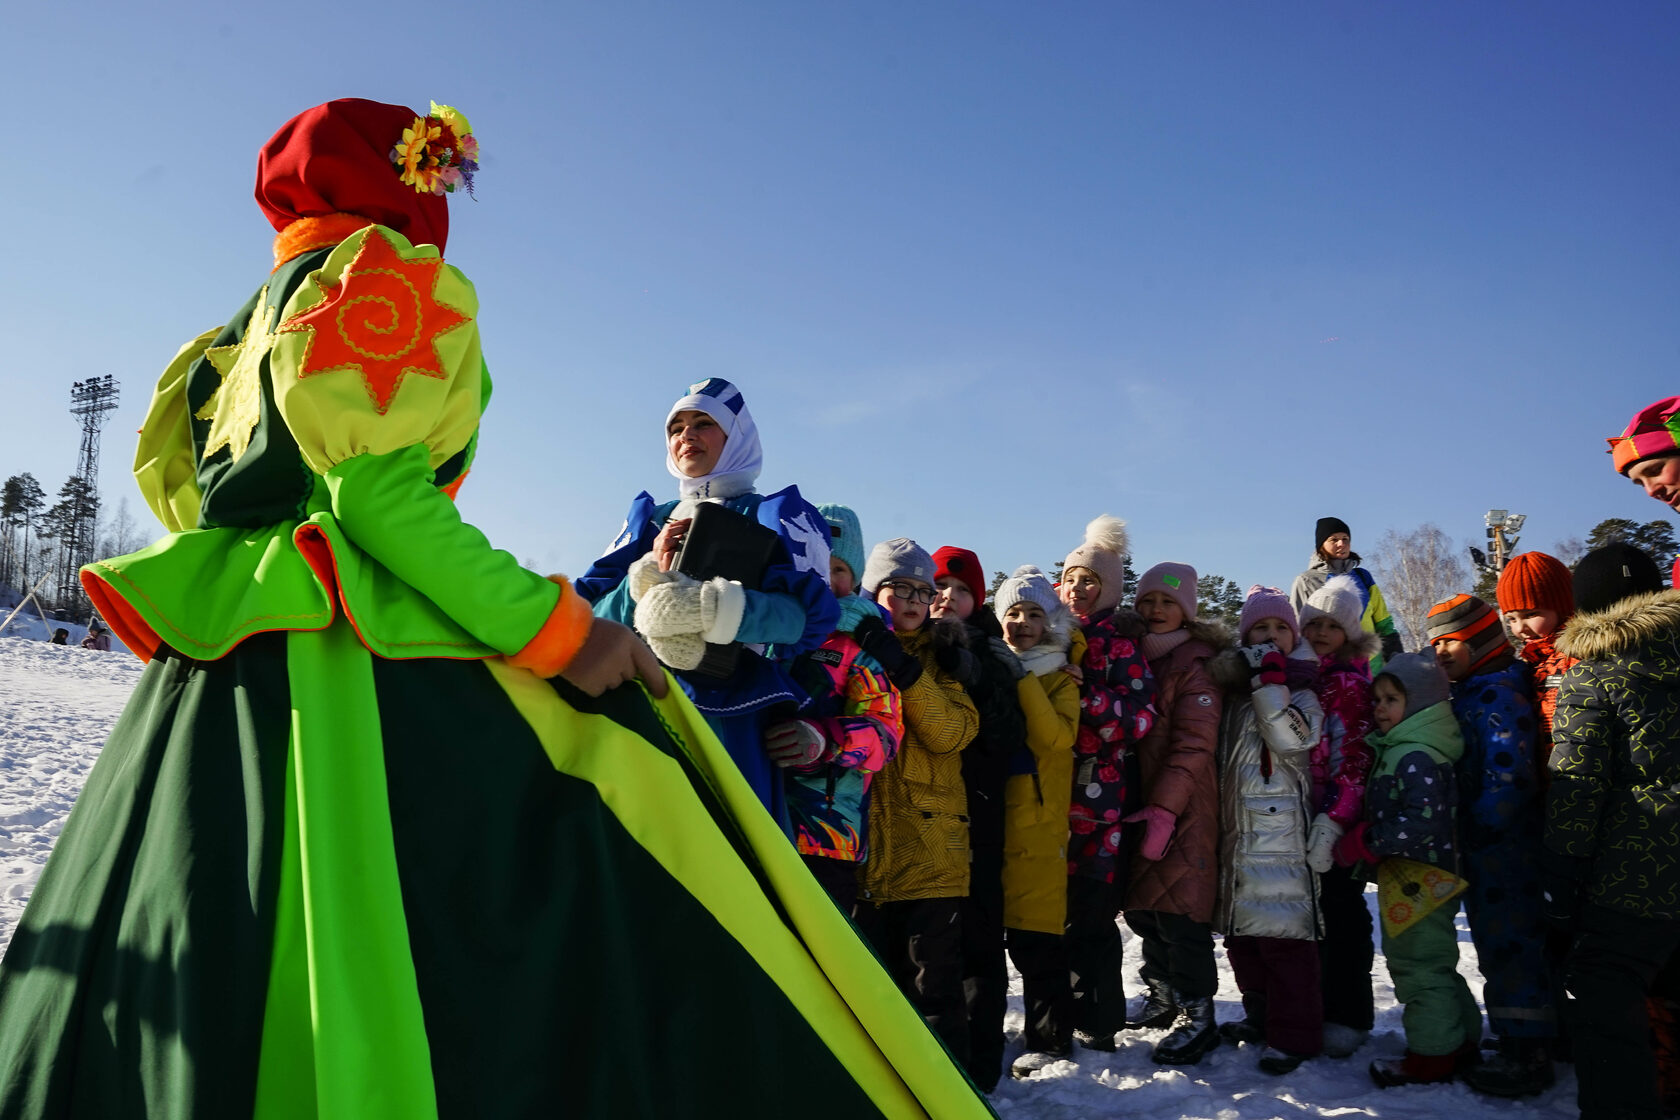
[119, 533]
[1416, 570]
[1569, 550]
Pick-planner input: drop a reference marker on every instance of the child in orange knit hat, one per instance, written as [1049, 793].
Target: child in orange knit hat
[1536, 599]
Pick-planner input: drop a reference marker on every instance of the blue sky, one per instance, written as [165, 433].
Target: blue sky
[983, 270]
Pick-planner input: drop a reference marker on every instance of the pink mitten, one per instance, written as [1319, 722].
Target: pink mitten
[1157, 831]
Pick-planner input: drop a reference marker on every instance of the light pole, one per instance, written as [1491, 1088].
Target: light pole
[1499, 523]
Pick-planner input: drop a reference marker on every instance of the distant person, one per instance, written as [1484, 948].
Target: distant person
[1268, 906]
[97, 637]
[1174, 873]
[1411, 808]
[1333, 555]
[1611, 861]
[61, 637]
[1499, 817]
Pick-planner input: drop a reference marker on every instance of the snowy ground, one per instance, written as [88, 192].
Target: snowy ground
[57, 704]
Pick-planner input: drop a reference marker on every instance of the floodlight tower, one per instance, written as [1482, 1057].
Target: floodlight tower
[90, 400]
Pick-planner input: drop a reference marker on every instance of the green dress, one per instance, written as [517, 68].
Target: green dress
[343, 857]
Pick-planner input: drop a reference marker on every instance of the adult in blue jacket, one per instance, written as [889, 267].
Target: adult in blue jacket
[713, 451]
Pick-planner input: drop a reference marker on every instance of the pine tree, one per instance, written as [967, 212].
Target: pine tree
[1655, 538]
[1218, 600]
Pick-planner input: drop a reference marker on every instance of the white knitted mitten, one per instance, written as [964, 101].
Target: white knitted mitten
[670, 608]
[679, 651]
[645, 573]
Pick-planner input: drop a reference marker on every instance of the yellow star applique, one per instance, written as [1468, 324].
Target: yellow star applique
[236, 406]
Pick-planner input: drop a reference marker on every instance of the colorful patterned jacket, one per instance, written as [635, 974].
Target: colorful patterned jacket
[1116, 709]
[1376, 618]
[1411, 797]
[1342, 759]
[858, 710]
[1499, 796]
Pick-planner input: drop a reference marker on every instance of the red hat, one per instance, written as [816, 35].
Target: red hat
[336, 159]
[1654, 430]
[1533, 581]
[961, 564]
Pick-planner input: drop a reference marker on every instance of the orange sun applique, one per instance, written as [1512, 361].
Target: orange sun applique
[381, 320]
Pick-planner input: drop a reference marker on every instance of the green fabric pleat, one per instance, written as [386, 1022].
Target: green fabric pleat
[341, 945]
[765, 899]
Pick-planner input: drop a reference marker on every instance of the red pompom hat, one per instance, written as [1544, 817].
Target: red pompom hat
[335, 159]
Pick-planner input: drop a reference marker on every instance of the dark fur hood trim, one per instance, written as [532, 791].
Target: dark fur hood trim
[1622, 627]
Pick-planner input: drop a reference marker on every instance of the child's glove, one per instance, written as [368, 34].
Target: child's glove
[903, 668]
[1321, 843]
[1266, 664]
[796, 742]
[1351, 849]
[1001, 651]
[1158, 827]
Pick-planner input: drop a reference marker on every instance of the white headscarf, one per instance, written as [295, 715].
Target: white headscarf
[743, 457]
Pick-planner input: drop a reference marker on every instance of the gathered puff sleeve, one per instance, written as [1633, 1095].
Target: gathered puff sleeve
[377, 371]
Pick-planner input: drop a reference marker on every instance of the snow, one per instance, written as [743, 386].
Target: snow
[58, 703]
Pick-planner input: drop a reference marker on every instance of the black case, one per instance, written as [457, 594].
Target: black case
[721, 542]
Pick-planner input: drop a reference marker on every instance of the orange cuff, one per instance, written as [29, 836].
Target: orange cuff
[554, 646]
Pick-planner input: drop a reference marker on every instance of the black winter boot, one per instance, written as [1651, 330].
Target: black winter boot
[1156, 1010]
[1520, 1068]
[1195, 1035]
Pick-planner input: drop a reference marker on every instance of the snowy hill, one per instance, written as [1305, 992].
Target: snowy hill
[58, 703]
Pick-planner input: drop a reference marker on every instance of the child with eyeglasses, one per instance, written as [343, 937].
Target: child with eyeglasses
[911, 888]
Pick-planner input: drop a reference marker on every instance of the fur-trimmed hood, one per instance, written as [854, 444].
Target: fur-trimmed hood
[1624, 627]
[1216, 634]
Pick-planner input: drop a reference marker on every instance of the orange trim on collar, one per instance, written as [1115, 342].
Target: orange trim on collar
[315, 233]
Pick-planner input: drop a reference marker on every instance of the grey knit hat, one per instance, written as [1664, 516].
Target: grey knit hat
[845, 536]
[1028, 585]
[1420, 677]
[899, 558]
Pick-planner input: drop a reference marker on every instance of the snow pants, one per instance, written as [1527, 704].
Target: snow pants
[1094, 955]
[1177, 952]
[1509, 931]
[1613, 963]
[1440, 1013]
[1041, 959]
[1278, 978]
[1346, 954]
[920, 942]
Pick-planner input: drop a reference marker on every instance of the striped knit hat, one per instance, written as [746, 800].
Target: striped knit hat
[1533, 581]
[1654, 430]
[1472, 622]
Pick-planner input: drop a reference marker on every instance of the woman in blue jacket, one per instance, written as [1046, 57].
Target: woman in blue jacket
[713, 451]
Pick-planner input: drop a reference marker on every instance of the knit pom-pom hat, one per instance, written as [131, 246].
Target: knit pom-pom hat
[1176, 581]
[1263, 603]
[1339, 601]
[1103, 554]
[1027, 585]
[1471, 621]
[961, 564]
[1533, 581]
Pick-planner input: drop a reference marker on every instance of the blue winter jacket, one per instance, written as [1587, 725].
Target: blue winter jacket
[1498, 789]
